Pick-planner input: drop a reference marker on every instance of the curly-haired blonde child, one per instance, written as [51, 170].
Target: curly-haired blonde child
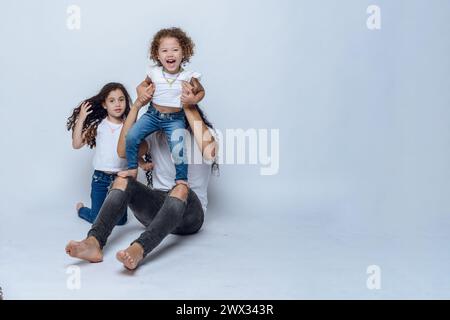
[170, 49]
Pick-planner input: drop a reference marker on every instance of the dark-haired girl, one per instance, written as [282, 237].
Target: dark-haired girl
[97, 122]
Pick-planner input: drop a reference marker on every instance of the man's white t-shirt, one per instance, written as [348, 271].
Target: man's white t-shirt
[199, 170]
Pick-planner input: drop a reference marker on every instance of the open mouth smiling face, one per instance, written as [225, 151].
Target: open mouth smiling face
[171, 63]
[170, 54]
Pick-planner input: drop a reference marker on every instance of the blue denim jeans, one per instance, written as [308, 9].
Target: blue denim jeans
[100, 185]
[173, 125]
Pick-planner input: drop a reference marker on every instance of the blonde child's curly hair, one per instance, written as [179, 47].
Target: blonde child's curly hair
[186, 43]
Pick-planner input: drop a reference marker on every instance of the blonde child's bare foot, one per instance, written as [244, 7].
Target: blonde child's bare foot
[87, 249]
[131, 256]
[128, 173]
[79, 206]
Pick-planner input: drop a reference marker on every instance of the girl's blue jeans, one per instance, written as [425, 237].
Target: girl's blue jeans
[101, 182]
[173, 125]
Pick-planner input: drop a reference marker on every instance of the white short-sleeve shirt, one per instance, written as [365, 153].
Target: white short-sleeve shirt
[199, 169]
[166, 94]
[106, 157]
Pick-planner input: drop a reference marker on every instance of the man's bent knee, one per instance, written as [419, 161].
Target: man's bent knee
[180, 191]
[120, 183]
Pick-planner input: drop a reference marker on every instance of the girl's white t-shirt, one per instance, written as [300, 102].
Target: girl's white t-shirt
[199, 169]
[106, 157]
[168, 95]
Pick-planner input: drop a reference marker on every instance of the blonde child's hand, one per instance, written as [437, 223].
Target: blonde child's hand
[85, 110]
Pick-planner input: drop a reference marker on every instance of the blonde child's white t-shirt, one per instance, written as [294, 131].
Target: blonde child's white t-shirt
[166, 94]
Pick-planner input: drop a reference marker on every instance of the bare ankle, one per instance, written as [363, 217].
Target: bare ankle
[93, 240]
[139, 247]
[79, 206]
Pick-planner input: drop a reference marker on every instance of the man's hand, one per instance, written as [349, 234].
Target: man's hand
[187, 96]
[145, 92]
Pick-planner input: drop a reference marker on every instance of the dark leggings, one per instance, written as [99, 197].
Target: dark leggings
[160, 213]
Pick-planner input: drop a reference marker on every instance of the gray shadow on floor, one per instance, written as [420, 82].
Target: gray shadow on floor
[163, 249]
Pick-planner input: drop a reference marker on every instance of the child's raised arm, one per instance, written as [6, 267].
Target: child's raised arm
[141, 100]
[78, 136]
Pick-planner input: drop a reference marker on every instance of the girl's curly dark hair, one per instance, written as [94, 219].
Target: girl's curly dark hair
[186, 43]
[98, 112]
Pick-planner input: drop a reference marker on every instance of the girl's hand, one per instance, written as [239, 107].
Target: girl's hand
[85, 110]
[146, 166]
[187, 96]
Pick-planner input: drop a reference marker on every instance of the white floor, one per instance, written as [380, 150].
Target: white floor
[364, 157]
[256, 252]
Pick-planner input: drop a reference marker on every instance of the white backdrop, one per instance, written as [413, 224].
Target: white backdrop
[362, 114]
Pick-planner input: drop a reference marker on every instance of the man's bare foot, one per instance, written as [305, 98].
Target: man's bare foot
[128, 173]
[131, 256]
[79, 206]
[88, 249]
